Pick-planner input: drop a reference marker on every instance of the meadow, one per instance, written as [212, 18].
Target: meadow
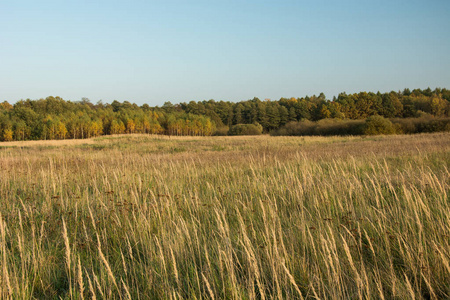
[152, 217]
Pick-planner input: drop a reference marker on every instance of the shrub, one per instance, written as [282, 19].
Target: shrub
[378, 125]
[223, 130]
[304, 127]
[373, 125]
[339, 127]
[422, 124]
[322, 127]
[246, 129]
[407, 125]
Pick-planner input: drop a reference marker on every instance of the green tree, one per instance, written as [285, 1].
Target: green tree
[284, 115]
[324, 112]
[272, 116]
[378, 125]
[292, 114]
[238, 118]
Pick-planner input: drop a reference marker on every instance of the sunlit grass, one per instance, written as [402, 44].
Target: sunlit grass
[150, 217]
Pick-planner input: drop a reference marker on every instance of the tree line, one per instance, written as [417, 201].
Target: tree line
[56, 118]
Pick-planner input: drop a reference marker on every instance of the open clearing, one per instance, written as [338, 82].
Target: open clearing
[152, 217]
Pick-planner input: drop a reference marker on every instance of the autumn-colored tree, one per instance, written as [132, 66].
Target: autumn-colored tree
[7, 135]
[56, 118]
[61, 130]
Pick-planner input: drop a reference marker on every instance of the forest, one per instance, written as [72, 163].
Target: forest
[55, 118]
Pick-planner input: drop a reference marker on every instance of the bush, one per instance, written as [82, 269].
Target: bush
[378, 125]
[339, 127]
[322, 127]
[373, 125]
[422, 124]
[406, 126]
[304, 127]
[246, 129]
[221, 131]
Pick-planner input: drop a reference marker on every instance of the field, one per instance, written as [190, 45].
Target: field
[152, 217]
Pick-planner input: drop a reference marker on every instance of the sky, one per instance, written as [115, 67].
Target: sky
[157, 51]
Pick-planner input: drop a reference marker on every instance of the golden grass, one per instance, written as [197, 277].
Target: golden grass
[152, 217]
[47, 143]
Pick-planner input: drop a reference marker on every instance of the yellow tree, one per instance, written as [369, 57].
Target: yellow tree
[7, 135]
[131, 126]
[96, 128]
[6, 106]
[208, 127]
[121, 127]
[324, 112]
[438, 106]
[50, 130]
[139, 126]
[61, 130]
[145, 125]
[115, 127]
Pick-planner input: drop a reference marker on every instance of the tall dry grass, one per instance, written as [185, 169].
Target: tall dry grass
[141, 217]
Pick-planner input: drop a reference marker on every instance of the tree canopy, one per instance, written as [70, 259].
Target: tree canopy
[56, 118]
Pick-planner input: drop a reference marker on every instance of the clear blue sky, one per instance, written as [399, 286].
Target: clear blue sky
[157, 51]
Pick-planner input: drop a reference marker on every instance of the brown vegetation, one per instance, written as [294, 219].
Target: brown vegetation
[141, 216]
